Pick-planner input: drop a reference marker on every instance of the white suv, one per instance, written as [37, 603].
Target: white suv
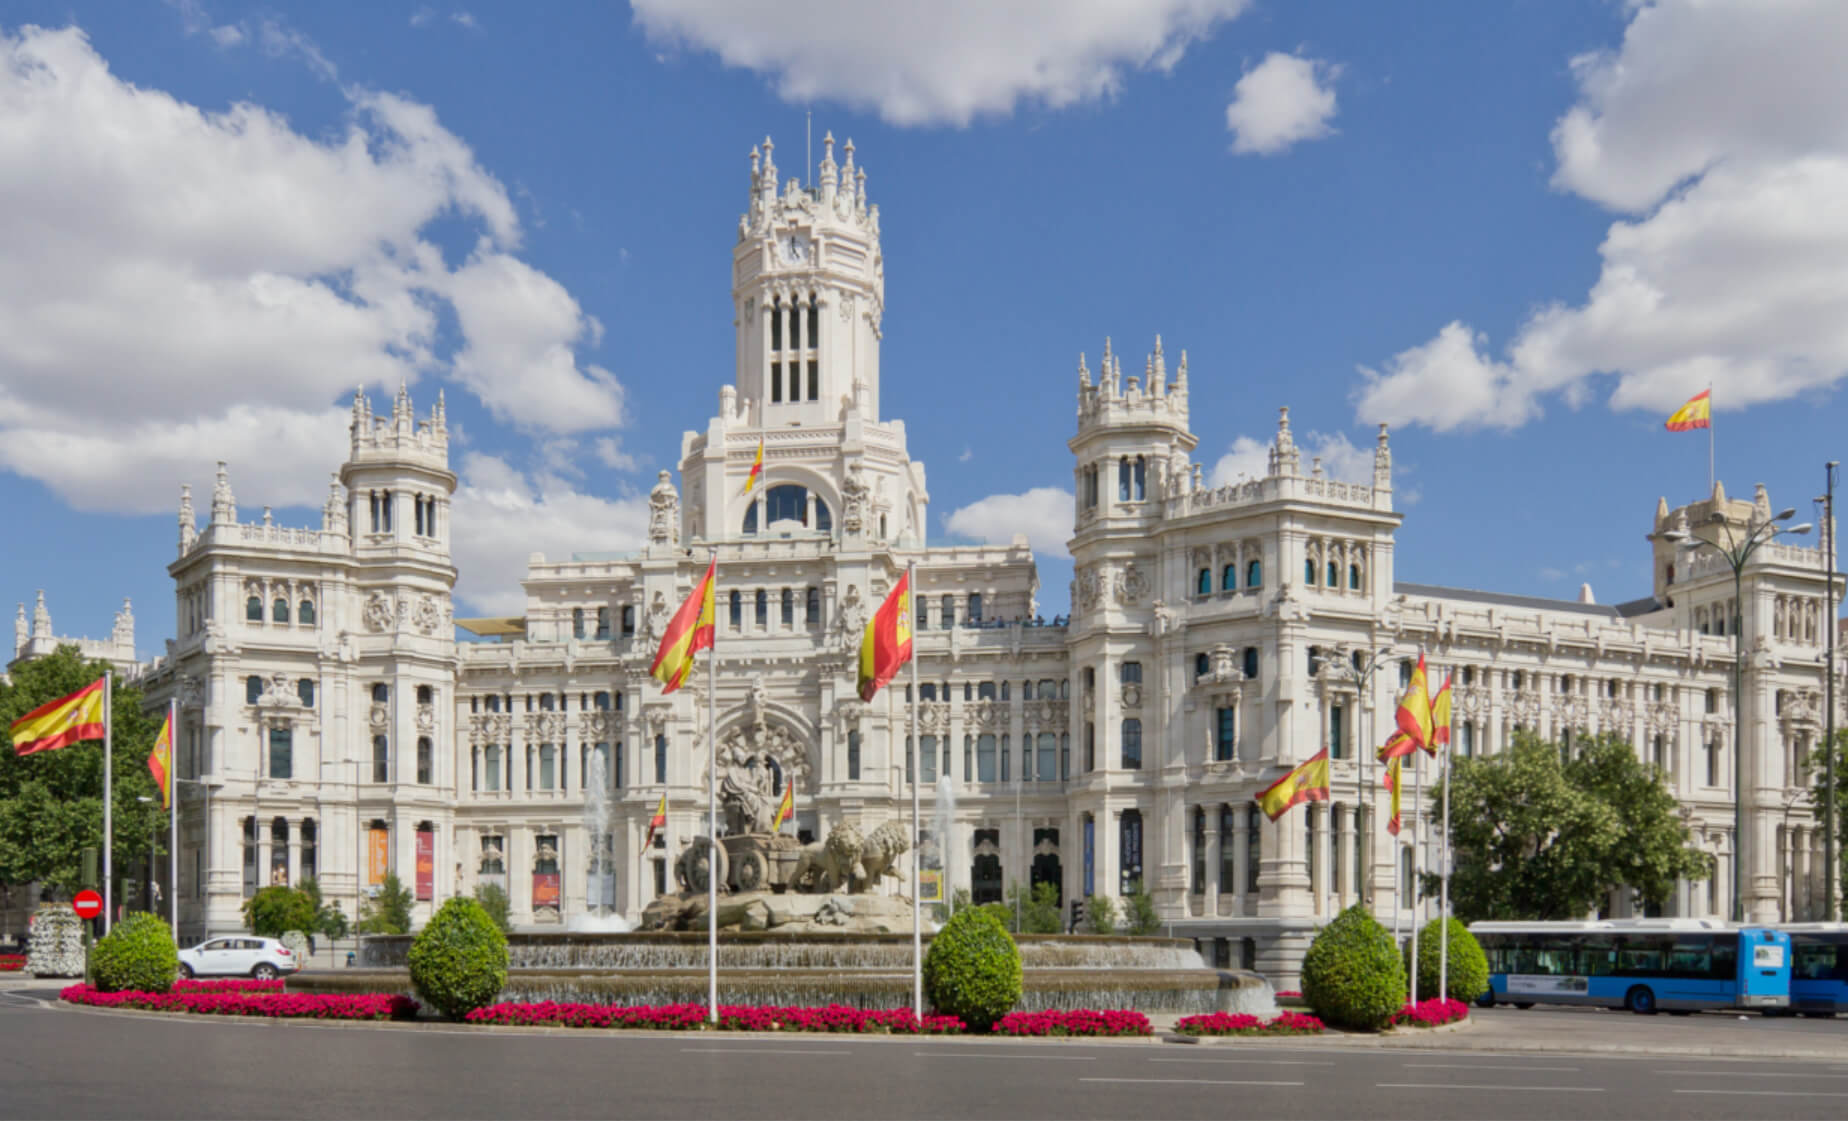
[238, 956]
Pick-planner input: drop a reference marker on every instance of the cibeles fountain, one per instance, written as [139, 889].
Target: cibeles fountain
[802, 924]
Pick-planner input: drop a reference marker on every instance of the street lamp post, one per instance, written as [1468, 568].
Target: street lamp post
[1828, 720]
[1737, 552]
[153, 845]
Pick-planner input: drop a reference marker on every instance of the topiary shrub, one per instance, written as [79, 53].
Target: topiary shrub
[276, 910]
[137, 956]
[1469, 966]
[1352, 976]
[459, 961]
[973, 969]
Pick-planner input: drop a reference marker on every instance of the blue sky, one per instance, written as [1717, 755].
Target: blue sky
[1522, 231]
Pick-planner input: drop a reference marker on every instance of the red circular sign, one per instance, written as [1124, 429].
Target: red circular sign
[87, 904]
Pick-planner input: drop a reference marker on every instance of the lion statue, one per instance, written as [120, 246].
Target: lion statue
[851, 860]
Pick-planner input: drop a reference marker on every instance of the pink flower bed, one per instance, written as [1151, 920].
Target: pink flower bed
[270, 1005]
[1430, 1013]
[1238, 1023]
[227, 985]
[1082, 1021]
[1288, 993]
[732, 1017]
[12, 963]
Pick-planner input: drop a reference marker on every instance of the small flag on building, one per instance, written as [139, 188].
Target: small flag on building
[1393, 784]
[1307, 783]
[757, 468]
[1440, 718]
[1414, 714]
[1697, 413]
[688, 632]
[887, 642]
[160, 762]
[62, 722]
[786, 807]
[658, 822]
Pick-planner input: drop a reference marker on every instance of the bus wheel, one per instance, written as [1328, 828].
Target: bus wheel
[1487, 999]
[1523, 1005]
[1640, 1001]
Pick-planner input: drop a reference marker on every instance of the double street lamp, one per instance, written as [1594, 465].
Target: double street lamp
[1737, 551]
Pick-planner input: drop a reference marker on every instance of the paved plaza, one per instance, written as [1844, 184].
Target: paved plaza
[83, 1064]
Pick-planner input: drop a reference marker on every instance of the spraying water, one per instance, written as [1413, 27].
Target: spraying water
[601, 889]
[943, 820]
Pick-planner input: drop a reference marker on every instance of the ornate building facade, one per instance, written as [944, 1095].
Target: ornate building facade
[1218, 636]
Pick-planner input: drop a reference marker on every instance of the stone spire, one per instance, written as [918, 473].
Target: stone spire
[850, 175]
[439, 416]
[1158, 371]
[22, 632]
[1107, 372]
[123, 633]
[1284, 458]
[333, 511]
[224, 503]
[1761, 505]
[1382, 462]
[829, 180]
[766, 182]
[403, 418]
[1084, 374]
[1661, 511]
[1180, 376]
[189, 522]
[41, 618]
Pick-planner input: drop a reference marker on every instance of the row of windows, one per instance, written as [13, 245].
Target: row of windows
[304, 689]
[1228, 578]
[546, 702]
[788, 502]
[1046, 689]
[279, 854]
[578, 620]
[423, 512]
[278, 744]
[946, 611]
[491, 766]
[811, 609]
[279, 611]
[1330, 575]
[1203, 664]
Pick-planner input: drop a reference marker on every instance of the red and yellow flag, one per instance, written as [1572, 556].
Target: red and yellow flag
[1414, 715]
[658, 822]
[1394, 785]
[688, 632]
[757, 467]
[887, 643]
[62, 722]
[786, 807]
[1397, 746]
[160, 761]
[1440, 717]
[1307, 783]
[1697, 413]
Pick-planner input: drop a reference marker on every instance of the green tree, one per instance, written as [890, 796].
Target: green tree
[51, 802]
[1819, 796]
[1100, 915]
[1538, 836]
[1041, 914]
[328, 918]
[493, 900]
[1139, 915]
[275, 910]
[388, 912]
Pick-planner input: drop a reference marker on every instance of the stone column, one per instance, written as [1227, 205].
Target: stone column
[1210, 897]
[1241, 859]
[1803, 902]
[1786, 860]
[1344, 832]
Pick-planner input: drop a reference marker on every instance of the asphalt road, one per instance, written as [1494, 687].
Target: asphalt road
[69, 1063]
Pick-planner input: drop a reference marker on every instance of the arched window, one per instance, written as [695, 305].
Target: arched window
[786, 503]
[1228, 577]
[425, 760]
[812, 616]
[1123, 480]
[305, 690]
[1254, 575]
[737, 610]
[381, 759]
[789, 607]
[750, 519]
[1203, 584]
[547, 702]
[1334, 575]
[381, 693]
[923, 609]
[426, 695]
[763, 608]
[1251, 663]
[603, 623]
[824, 521]
[304, 614]
[253, 609]
[627, 619]
[1202, 664]
[279, 610]
[1141, 478]
[1309, 573]
[660, 758]
[1132, 744]
[493, 703]
[1354, 577]
[253, 688]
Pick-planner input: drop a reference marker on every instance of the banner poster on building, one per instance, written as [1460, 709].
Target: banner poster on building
[545, 889]
[1090, 858]
[426, 864]
[378, 854]
[930, 885]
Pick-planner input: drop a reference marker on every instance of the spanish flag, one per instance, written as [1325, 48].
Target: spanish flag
[1414, 715]
[688, 632]
[658, 822]
[786, 807]
[1440, 718]
[1307, 783]
[887, 643]
[1397, 746]
[1697, 413]
[160, 761]
[1393, 784]
[62, 722]
[757, 467]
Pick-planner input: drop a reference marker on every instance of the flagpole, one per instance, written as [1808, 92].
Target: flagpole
[712, 806]
[1450, 746]
[1417, 828]
[917, 929]
[173, 820]
[1710, 471]
[108, 800]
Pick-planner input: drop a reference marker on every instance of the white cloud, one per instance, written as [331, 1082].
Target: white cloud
[1552, 575]
[422, 16]
[197, 286]
[1044, 514]
[1281, 101]
[1249, 458]
[609, 452]
[501, 516]
[942, 63]
[968, 453]
[1718, 126]
[465, 19]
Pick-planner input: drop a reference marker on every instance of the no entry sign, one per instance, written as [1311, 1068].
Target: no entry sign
[87, 904]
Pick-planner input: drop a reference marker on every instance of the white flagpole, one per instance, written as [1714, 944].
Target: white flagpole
[917, 929]
[712, 804]
[1417, 828]
[108, 800]
[1710, 474]
[173, 819]
[1443, 909]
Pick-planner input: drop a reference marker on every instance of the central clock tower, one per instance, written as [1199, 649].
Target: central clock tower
[808, 289]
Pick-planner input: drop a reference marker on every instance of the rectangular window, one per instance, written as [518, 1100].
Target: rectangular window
[1337, 731]
[1225, 739]
[1132, 744]
[281, 753]
[491, 767]
[985, 758]
[1131, 673]
[814, 386]
[776, 380]
[927, 754]
[548, 767]
[789, 607]
[1090, 747]
[660, 758]
[1045, 768]
[603, 622]
[425, 760]
[381, 759]
[975, 607]
[1004, 759]
[853, 755]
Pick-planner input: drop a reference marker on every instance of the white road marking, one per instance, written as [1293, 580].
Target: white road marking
[1477, 1066]
[1191, 1081]
[1259, 1062]
[761, 1051]
[1475, 1086]
[1772, 1093]
[1012, 1057]
[1752, 1074]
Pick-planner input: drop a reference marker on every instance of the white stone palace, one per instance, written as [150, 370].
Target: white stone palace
[342, 731]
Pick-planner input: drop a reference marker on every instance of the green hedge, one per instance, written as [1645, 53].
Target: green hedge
[1469, 966]
[459, 960]
[137, 955]
[1352, 975]
[973, 969]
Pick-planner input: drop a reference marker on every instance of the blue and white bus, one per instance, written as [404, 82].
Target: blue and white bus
[1819, 967]
[1680, 965]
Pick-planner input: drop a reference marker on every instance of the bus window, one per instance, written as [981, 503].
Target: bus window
[1725, 958]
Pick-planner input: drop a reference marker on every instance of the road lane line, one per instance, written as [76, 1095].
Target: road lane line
[1772, 1093]
[1475, 1086]
[1256, 1062]
[760, 1051]
[1753, 1074]
[1012, 1058]
[1192, 1081]
[1478, 1066]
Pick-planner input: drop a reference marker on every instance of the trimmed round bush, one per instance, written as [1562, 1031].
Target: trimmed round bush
[459, 961]
[1352, 975]
[972, 971]
[136, 956]
[1469, 966]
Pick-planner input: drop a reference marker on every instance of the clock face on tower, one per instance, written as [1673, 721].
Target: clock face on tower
[795, 248]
